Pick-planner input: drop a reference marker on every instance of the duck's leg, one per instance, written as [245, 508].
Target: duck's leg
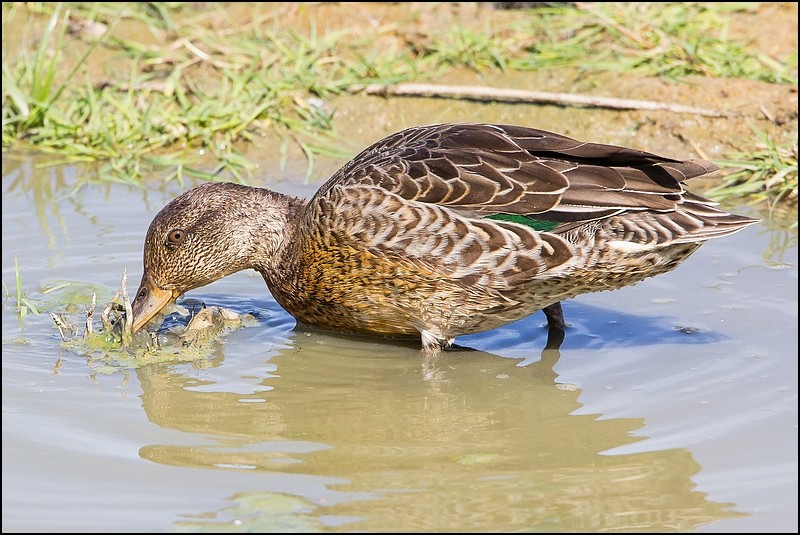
[555, 316]
[555, 337]
[432, 343]
[555, 325]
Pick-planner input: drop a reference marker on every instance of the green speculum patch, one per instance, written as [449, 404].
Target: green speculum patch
[536, 224]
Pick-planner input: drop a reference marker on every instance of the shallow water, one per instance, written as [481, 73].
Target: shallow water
[671, 405]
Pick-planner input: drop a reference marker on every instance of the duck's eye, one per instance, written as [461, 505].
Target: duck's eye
[176, 236]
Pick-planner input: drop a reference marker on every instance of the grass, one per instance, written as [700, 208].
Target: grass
[181, 89]
[672, 40]
[210, 93]
[767, 174]
[24, 304]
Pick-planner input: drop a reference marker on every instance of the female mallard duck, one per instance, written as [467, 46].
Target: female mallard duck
[441, 230]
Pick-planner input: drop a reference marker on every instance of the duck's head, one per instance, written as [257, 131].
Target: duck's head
[206, 233]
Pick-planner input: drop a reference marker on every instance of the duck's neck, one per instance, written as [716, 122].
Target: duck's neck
[272, 230]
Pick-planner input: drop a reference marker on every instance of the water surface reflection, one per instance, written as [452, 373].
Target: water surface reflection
[482, 443]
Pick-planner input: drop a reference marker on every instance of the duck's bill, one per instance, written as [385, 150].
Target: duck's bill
[149, 301]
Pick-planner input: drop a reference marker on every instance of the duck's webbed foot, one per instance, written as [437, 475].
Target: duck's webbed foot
[555, 316]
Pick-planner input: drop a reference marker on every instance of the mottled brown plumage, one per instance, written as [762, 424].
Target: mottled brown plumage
[429, 232]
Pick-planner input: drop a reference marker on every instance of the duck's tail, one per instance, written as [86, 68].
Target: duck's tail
[693, 220]
[698, 219]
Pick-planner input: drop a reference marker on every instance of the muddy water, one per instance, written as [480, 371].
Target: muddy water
[671, 405]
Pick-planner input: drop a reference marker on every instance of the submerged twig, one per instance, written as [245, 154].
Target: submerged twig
[494, 94]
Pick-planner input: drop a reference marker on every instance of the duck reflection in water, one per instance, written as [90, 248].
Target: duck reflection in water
[482, 445]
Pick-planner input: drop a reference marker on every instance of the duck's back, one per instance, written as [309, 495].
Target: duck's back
[464, 227]
[487, 169]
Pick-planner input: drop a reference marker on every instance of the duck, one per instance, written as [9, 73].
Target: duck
[439, 231]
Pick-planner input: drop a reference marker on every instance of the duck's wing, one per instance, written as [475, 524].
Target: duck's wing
[464, 202]
[483, 170]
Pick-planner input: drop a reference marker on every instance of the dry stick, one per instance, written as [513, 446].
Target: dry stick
[61, 324]
[64, 324]
[105, 317]
[490, 94]
[763, 109]
[90, 317]
[126, 323]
